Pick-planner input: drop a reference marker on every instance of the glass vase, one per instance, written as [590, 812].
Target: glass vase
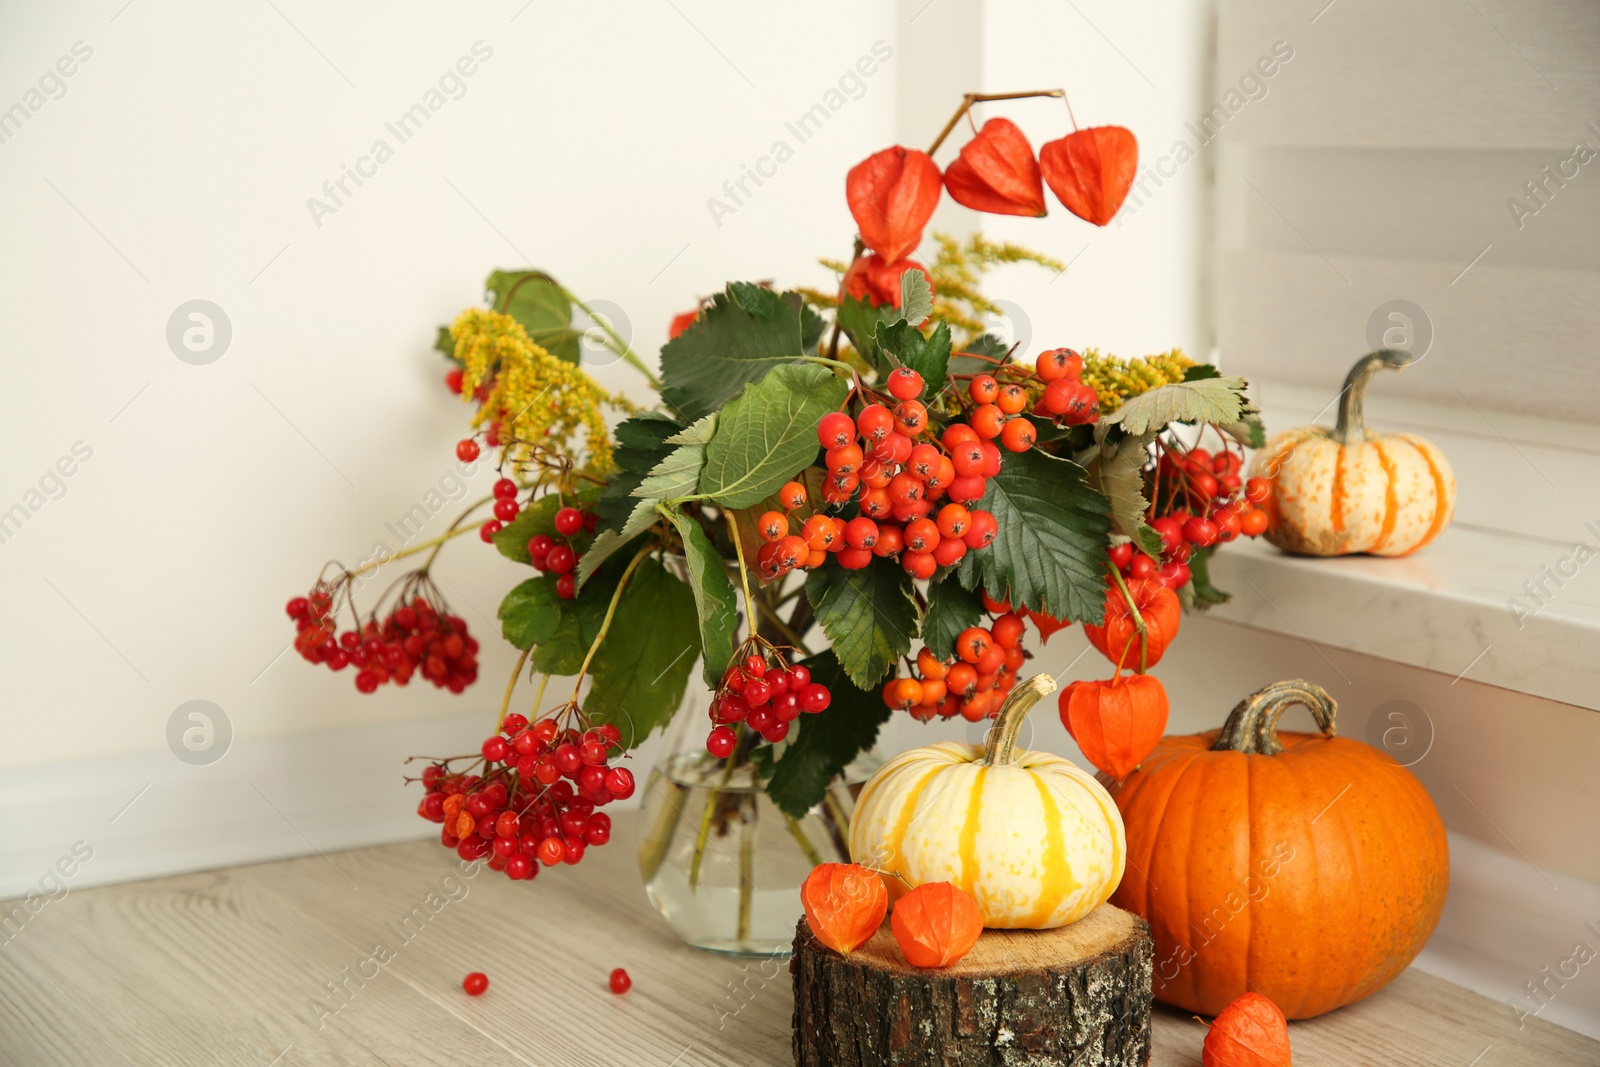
[721, 862]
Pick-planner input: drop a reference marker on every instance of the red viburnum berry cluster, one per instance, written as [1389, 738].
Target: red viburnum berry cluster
[974, 682]
[1205, 503]
[556, 555]
[415, 637]
[764, 696]
[533, 800]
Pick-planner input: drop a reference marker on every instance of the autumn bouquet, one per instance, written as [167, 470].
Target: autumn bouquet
[840, 504]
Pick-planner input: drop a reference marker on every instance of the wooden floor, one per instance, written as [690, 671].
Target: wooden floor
[229, 967]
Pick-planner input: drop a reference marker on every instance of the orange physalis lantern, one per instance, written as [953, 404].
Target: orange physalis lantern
[997, 173]
[892, 195]
[1090, 171]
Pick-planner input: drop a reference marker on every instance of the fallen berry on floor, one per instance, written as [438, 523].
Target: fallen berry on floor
[475, 983]
[620, 982]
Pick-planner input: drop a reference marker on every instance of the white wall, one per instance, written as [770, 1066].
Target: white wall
[178, 165]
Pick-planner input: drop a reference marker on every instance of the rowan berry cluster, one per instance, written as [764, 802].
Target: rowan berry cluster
[1204, 502]
[974, 682]
[415, 636]
[533, 799]
[764, 695]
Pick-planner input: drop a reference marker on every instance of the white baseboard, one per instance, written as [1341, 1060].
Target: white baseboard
[1508, 925]
[152, 815]
[149, 815]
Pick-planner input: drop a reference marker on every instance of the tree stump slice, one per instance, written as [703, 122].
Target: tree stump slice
[1076, 995]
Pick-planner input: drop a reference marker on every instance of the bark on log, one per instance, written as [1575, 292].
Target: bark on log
[1077, 995]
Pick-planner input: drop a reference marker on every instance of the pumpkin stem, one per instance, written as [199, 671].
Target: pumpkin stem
[1252, 727]
[1352, 427]
[1002, 745]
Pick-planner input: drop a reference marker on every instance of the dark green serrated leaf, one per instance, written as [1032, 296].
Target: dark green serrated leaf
[859, 320]
[609, 542]
[825, 743]
[714, 601]
[729, 346]
[563, 651]
[531, 612]
[951, 609]
[868, 615]
[928, 356]
[537, 302]
[1249, 431]
[642, 667]
[768, 433]
[646, 431]
[1201, 371]
[1050, 552]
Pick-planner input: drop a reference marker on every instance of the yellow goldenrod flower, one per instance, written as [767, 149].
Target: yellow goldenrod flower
[1115, 379]
[538, 400]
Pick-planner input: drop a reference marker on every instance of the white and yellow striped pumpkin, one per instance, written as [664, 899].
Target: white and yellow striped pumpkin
[1342, 491]
[1034, 839]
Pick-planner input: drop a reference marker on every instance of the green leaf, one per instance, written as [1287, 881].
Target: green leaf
[951, 609]
[1050, 553]
[1201, 371]
[530, 613]
[1249, 431]
[1215, 400]
[729, 346]
[444, 343]
[714, 599]
[1120, 473]
[859, 320]
[648, 431]
[642, 667]
[1200, 594]
[867, 614]
[643, 516]
[823, 744]
[563, 651]
[916, 297]
[538, 303]
[769, 433]
[928, 356]
[642, 442]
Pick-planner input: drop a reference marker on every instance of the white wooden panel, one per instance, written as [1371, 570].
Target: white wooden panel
[1513, 338]
[1500, 73]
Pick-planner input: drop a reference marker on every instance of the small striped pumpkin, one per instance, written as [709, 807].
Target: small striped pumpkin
[1034, 839]
[1346, 490]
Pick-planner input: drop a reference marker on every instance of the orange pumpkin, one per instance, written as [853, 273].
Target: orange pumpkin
[1347, 490]
[1118, 637]
[1305, 867]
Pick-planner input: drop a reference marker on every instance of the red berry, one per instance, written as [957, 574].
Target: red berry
[298, 608]
[466, 450]
[1141, 566]
[793, 495]
[561, 559]
[1121, 555]
[487, 531]
[475, 983]
[505, 509]
[721, 742]
[875, 422]
[495, 749]
[453, 380]
[551, 851]
[619, 782]
[983, 389]
[1200, 531]
[905, 383]
[567, 586]
[568, 521]
[620, 982]
[1256, 490]
[505, 489]
[836, 430]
